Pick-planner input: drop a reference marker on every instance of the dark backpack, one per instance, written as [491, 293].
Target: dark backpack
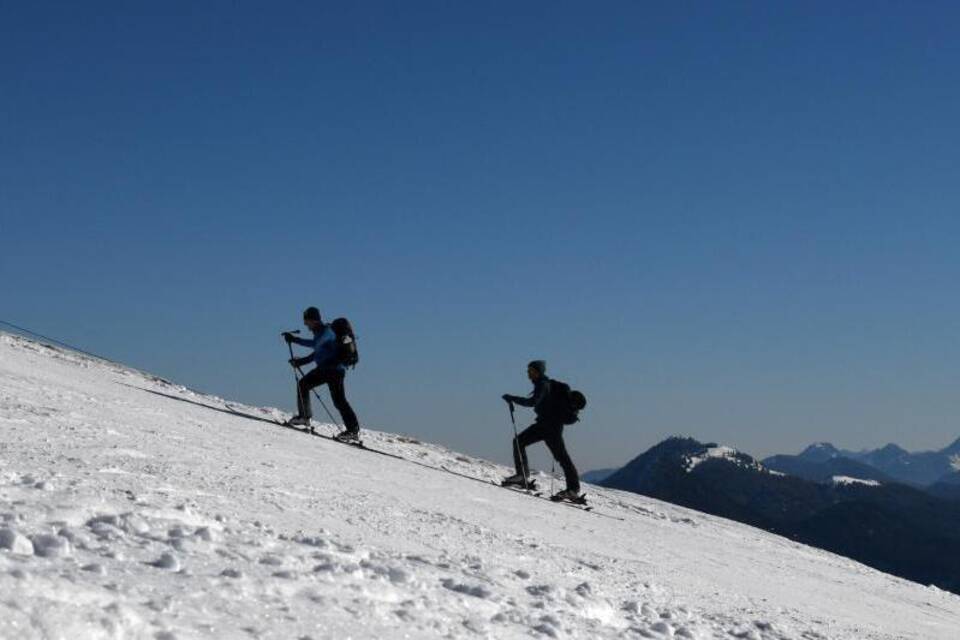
[566, 403]
[347, 353]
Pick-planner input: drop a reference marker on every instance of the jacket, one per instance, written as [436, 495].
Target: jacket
[537, 399]
[324, 345]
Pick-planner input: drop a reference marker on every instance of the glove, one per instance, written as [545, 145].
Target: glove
[287, 336]
[294, 362]
[508, 398]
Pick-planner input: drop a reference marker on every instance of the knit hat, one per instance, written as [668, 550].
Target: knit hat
[312, 313]
[539, 365]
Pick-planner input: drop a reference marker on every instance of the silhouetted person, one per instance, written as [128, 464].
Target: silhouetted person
[548, 427]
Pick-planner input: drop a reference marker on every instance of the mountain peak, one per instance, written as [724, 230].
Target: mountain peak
[891, 450]
[688, 454]
[676, 446]
[952, 449]
[819, 452]
[717, 452]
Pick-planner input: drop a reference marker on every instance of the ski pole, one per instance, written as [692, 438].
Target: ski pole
[317, 395]
[516, 444]
[296, 379]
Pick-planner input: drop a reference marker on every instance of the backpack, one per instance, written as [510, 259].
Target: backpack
[347, 353]
[566, 403]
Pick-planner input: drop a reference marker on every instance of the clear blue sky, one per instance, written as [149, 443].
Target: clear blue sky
[737, 220]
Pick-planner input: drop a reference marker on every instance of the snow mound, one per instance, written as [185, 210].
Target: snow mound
[132, 507]
[847, 480]
[955, 461]
[729, 454]
[726, 453]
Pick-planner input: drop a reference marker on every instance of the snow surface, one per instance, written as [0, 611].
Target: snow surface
[727, 453]
[849, 480]
[131, 507]
[730, 455]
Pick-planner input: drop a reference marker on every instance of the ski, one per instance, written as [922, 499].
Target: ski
[584, 507]
[581, 499]
[579, 502]
[581, 506]
[357, 444]
[530, 489]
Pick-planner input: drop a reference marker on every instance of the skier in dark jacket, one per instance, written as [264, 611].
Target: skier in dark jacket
[548, 427]
[329, 371]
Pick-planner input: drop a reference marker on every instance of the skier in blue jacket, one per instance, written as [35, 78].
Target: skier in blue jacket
[329, 371]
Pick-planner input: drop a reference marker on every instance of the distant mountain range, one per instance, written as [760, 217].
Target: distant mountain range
[937, 472]
[920, 469]
[825, 470]
[822, 497]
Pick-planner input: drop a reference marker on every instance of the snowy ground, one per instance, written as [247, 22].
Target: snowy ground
[129, 514]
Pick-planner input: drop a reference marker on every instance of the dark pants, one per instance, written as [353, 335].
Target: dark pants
[333, 378]
[551, 433]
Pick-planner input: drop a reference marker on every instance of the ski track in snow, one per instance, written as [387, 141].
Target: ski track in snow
[125, 513]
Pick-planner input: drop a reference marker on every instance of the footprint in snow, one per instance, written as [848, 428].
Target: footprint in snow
[206, 534]
[331, 566]
[395, 575]
[311, 541]
[539, 590]
[167, 561]
[15, 542]
[477, 591]
[105, 530]
[546, 629]
[50, 546]
[285, 574]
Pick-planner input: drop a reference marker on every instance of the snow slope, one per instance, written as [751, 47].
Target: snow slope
[135, 508]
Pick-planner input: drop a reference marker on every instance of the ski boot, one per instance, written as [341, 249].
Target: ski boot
[570, 496]
[519, 482]
[349, 437]
[298, 421]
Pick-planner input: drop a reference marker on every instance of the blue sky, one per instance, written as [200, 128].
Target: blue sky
[736, 221]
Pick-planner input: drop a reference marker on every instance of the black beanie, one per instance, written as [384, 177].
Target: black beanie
[312, 313]
[539, 365]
